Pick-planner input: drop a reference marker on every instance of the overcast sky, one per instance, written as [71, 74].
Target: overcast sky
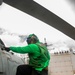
[63, 8]
[19, 22]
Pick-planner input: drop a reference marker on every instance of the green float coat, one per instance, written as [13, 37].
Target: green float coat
[38, 57]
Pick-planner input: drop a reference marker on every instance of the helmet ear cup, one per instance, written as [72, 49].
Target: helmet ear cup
[28, 40]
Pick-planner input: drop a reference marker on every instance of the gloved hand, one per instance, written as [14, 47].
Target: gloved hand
[6, 49]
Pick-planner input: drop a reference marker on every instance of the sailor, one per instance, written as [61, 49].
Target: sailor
[39, 57]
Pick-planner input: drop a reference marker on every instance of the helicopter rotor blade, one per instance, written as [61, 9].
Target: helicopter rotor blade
[36, 10]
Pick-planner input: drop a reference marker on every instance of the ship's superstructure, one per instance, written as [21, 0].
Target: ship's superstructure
[62, 63]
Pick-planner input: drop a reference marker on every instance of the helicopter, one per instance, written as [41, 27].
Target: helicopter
[8, 61]
[36, 10]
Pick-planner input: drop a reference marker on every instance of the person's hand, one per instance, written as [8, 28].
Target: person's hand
[6, 49]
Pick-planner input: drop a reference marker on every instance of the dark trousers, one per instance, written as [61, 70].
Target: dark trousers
[28, 70]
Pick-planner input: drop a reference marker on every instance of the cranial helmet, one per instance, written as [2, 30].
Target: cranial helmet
[32, 37]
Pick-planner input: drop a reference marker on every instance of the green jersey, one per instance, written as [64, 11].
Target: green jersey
[38, 56]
